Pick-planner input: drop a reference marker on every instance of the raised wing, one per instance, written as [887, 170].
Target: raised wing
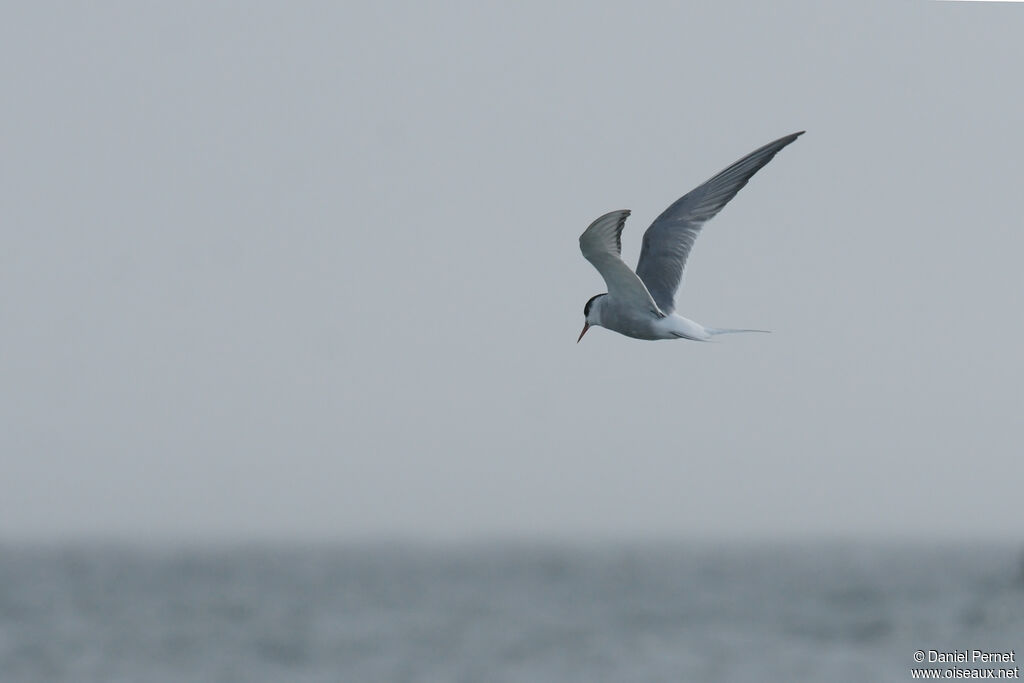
[668, 241]
[601, 244]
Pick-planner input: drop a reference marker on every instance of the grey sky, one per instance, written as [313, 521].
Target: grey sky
[283, 270]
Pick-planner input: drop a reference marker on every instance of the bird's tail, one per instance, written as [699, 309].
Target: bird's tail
[715, 331]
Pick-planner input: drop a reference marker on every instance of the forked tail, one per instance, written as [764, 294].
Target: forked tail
[715, 331]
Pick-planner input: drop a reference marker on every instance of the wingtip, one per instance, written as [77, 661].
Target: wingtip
[786, 139]
[781, 142]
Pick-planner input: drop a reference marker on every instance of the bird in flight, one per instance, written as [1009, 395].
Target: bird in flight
[641, 304]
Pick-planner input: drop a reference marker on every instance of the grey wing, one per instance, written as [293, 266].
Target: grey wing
[668, 241]
[601, 244]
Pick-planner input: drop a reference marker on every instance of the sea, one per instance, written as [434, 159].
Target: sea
[505, 611]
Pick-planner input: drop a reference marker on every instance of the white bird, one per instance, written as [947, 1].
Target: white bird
[642, 304]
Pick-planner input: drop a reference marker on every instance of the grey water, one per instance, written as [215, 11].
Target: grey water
[501, 611]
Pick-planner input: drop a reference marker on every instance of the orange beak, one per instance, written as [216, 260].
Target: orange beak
[586, 326]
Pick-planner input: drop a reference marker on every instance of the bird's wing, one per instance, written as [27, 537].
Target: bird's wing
[668, 241]
[601, 244]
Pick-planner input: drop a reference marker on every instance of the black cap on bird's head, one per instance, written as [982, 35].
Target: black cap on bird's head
[586, 314]
[590, 302]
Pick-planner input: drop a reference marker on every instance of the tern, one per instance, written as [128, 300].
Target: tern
[641, 304]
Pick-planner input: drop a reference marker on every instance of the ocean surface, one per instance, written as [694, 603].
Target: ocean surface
[499, 612]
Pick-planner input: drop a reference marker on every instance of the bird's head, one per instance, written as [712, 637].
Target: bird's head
[591, 314]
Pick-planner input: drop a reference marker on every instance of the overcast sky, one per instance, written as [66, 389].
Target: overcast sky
[296, 270]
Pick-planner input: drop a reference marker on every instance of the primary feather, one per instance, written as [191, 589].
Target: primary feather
[667, 243]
